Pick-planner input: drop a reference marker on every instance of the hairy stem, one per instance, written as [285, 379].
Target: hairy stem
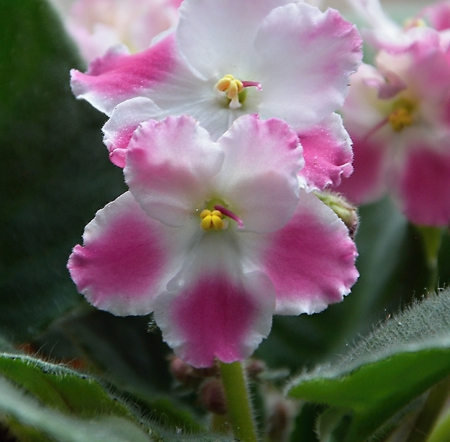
[240, 413]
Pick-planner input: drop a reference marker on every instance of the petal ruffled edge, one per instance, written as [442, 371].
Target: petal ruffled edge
[311, 261]
[218, 315]
[125, 119]
[126, 260]
[328, 153]
[306, 57]
[119, 76]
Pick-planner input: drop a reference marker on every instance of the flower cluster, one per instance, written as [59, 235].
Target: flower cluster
[97, 25]
[398, 115]
[224, 128]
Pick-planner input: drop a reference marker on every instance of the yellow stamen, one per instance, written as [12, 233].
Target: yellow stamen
[414, 23]
[233, 87]
[211, 220]
[401, 118]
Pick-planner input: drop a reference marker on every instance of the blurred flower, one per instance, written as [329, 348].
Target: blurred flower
[398, 115]
[230, 58]
[437, 16]
[382, 32]
[214, 237]
[97, 25]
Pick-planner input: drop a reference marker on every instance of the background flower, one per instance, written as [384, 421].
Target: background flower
[97, 25]
[397, 114]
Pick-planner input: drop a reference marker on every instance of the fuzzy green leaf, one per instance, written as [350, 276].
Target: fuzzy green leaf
[387, 370]
[40, 400]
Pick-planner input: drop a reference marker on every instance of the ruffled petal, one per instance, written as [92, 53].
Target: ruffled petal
[311, 261]
[170, 165]
[217, 37]
[126, 260]
[328, 153]
[259, 173]
[119, 76]
[214, 310]
[307, 57]
[124, 120]
[422, 187]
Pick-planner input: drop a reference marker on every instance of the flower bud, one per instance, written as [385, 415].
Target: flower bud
[254, 368]
[212, 396]
[182, 372]
[188, 375]
[346, 211]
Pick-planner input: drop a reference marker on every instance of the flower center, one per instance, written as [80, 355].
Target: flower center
[233, 88]
[402, 115]
[214, 219]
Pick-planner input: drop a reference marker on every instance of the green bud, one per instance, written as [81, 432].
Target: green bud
[346, 211]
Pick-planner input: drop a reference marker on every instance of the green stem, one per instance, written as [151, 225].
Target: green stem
[431, 238]
[238, 402]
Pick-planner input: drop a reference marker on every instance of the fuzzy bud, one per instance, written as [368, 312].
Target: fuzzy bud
[346, 211]
[212, 396]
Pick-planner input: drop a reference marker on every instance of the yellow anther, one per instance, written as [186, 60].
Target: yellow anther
[232, 86]
[401, 118]
[211, 220]
[414, 23]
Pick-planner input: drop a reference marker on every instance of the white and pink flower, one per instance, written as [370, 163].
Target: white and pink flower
[382, 32]
[398, 115]
[214, 238]
[98, 25]
[228, 58]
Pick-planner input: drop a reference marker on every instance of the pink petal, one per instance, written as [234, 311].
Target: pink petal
[424, 67]
[438, 14]
[306, 59]
[328, 154]
[170, 165]
[118, 76]
[368, 180]
[389, 86]
[259, 173]
[362, 110]
[125, 260]
[311, 261]
[124, 120]
[216, 316]
[423, 187]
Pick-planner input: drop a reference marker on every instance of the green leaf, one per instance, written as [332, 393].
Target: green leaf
[132, 359]
[39, 400]
[60, 387]
[42, 398]
[54, 170]
[387, 370]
